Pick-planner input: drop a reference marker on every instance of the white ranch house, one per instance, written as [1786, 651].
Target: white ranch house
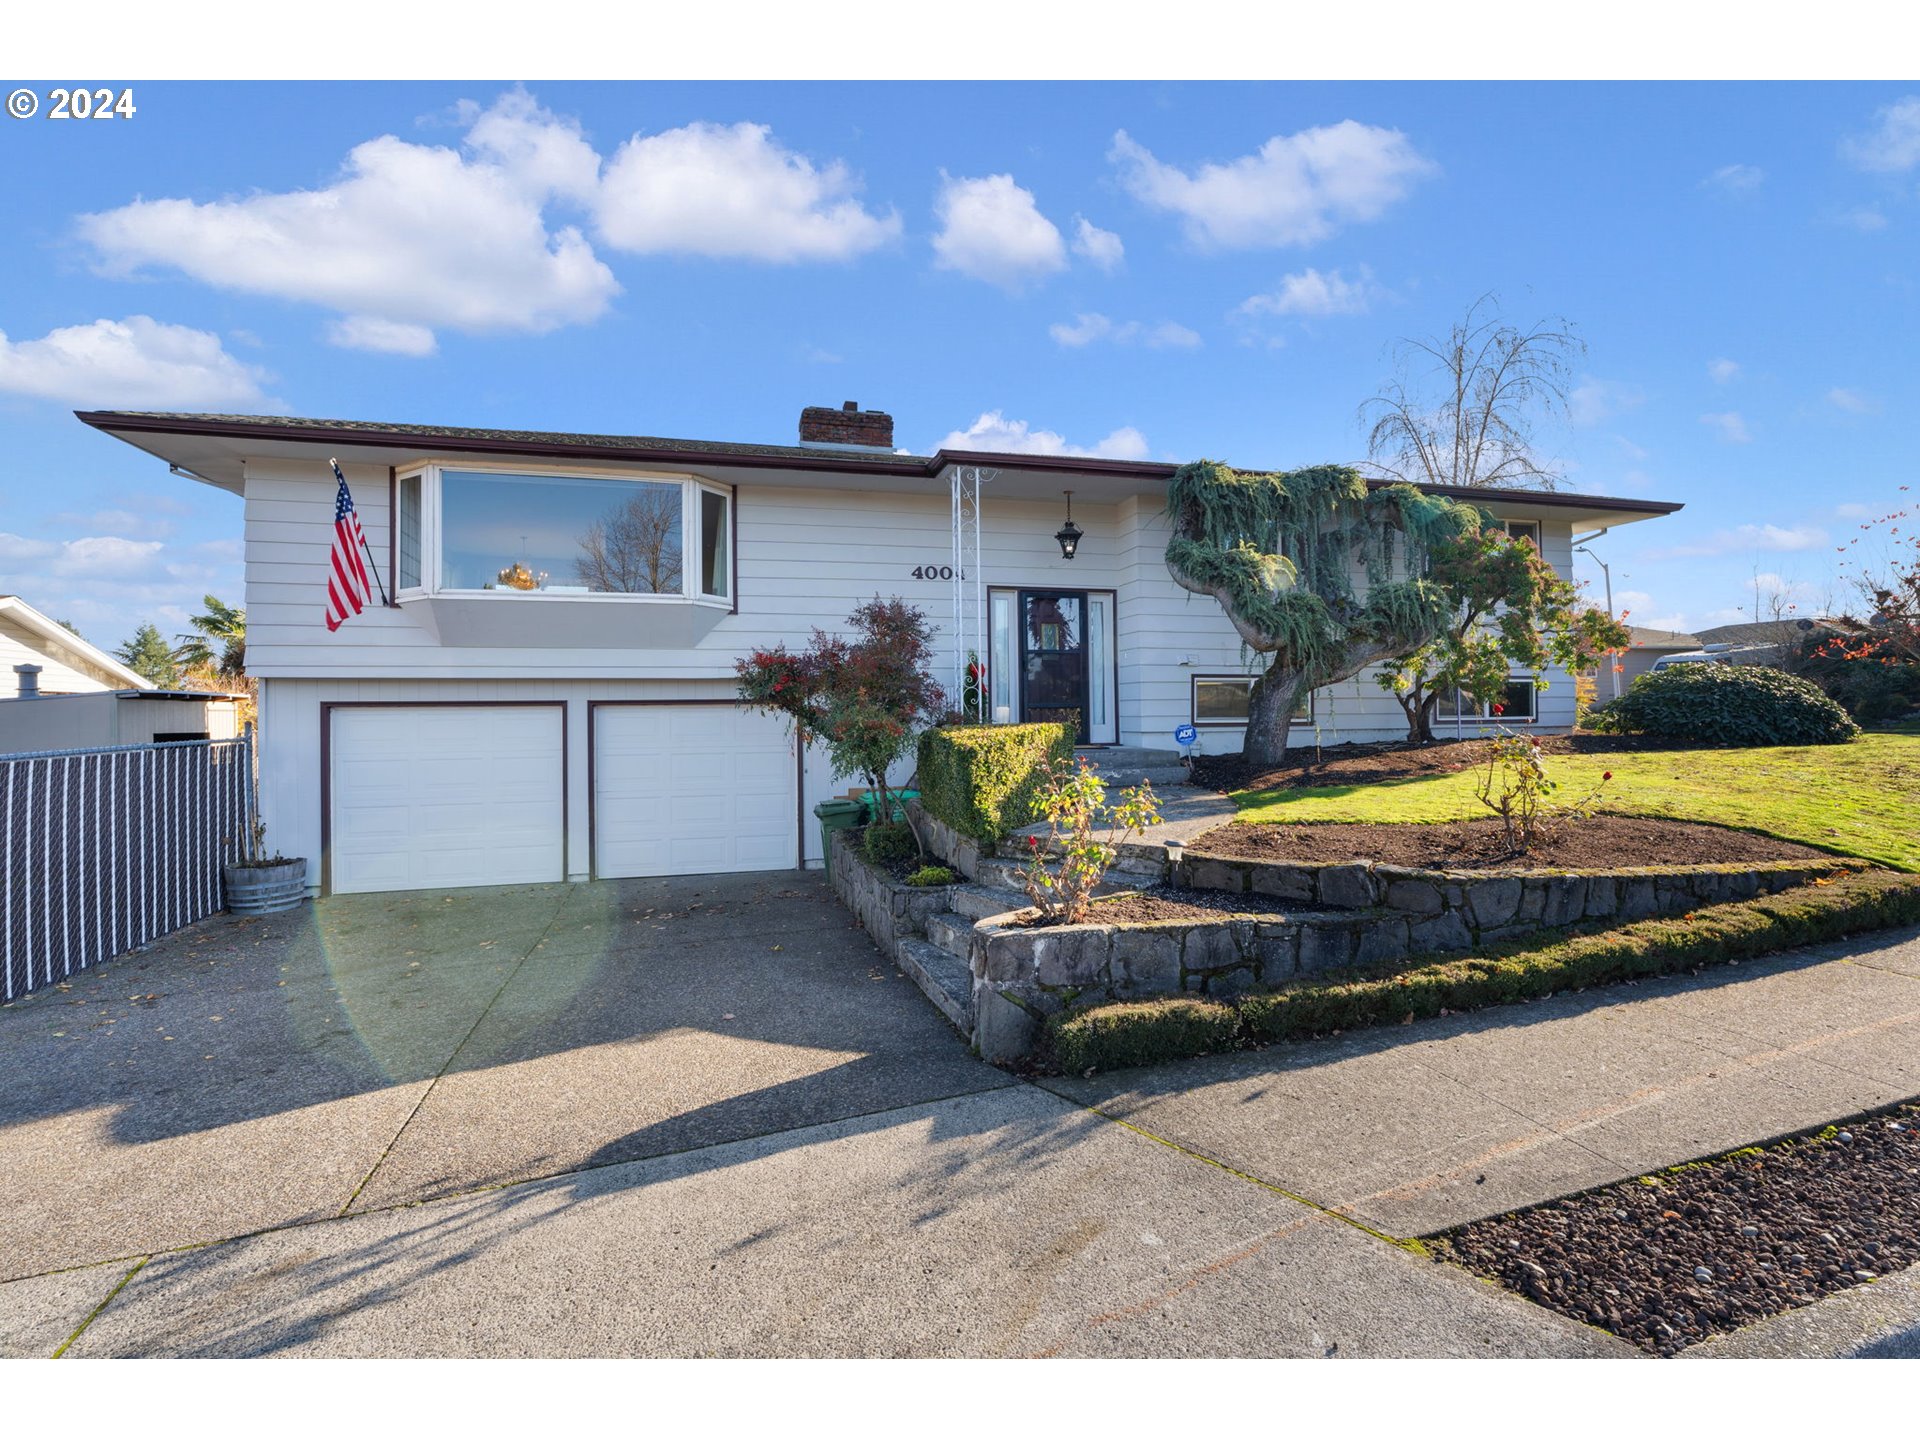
[535, 706]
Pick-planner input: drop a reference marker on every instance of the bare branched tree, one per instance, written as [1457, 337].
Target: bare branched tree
[1463, 407]
[636, 550]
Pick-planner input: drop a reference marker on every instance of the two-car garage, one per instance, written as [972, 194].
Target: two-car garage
[452, 794]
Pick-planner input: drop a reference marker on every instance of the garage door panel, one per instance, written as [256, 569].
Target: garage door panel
[691, 790]
[430, 798]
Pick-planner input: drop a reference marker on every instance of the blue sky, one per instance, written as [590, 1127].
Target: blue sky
[1161, 270]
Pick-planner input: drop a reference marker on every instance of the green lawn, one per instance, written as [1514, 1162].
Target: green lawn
[1859, 799]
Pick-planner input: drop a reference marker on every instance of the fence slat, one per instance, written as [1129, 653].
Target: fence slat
[102, 851]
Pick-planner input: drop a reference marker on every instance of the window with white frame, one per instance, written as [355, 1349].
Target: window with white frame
[1525, 530]
[1517, 704]
[573, 533]
[1223, 700]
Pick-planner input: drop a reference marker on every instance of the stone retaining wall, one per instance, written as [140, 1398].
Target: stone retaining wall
[1485, 905]
[961, 852]
[888, 909]
[1031, 973]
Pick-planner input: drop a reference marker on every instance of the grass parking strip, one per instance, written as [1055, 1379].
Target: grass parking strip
[94, 1314]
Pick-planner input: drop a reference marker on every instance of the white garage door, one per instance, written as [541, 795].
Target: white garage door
[430, 797]
[691, 790]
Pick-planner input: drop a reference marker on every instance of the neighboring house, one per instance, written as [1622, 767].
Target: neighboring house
[58, 692]
[550, 694]
[1648, 646]
[68, 664]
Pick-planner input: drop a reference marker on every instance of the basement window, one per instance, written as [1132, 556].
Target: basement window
[1224, 700]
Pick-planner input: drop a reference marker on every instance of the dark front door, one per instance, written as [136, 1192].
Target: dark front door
[1053, 657]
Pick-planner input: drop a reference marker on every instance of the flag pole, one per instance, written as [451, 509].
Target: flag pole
[364, 545]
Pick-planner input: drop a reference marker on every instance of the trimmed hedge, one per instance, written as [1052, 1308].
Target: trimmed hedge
[1729, 705]
[889, 845]
[1141, 1032]
[1523, 969]
[984, 780]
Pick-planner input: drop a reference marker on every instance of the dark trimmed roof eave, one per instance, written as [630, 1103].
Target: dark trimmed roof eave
[655, 449]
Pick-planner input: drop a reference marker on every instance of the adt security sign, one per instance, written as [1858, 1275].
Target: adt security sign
[1185, 735]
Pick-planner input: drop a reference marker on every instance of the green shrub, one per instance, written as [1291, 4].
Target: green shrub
[1140, 1033]
[888, 845]
[985, 780]
[928, 876]
[1730, 705]
[1871, 691]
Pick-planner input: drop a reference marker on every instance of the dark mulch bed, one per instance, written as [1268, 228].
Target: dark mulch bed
[1599, 842]
[1397, 760]
[1176, 902]
[1669, 1260]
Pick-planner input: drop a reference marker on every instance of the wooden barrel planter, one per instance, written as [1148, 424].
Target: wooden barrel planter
[266, 889]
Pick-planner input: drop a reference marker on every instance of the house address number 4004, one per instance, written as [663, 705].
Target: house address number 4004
[934, 572]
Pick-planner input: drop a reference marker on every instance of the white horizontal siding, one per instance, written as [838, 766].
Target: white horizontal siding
[804, 559]
[61, 673]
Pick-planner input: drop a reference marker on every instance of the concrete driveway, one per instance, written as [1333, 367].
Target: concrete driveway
[697, 1116]
[374, 1050]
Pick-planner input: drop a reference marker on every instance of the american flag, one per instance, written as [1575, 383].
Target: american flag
[347, 590]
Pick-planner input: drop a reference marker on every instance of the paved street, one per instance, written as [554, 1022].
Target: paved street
[701, 1117]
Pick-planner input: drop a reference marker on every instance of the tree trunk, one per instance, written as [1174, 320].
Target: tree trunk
[1424, 725]
[1269, 717]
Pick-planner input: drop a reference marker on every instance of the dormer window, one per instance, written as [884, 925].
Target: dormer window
[583, 535]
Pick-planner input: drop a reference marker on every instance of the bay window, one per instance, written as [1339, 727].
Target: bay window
[507, 532]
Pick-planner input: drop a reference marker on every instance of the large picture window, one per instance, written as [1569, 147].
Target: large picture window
[515, 532]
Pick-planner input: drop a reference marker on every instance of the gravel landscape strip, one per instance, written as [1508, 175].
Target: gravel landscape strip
[1671, 1259]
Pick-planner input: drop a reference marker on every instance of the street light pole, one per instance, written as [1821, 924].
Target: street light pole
[1607, 571]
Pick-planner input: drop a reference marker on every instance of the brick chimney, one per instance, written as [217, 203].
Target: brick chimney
[848, 428]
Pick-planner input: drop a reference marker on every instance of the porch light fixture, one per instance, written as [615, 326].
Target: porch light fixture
[1068, 534]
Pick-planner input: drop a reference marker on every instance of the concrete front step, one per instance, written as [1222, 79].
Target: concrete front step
[952, 933]
[977, 902]
[942, 976]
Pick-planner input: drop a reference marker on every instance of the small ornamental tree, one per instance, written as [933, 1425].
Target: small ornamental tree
[1317, 572]
[866, 698]
[1891, 590]
[1513, 609]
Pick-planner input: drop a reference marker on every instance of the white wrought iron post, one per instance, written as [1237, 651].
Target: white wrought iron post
[968, 630]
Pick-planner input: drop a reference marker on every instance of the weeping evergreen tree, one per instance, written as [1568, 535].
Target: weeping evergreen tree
[1317, 571]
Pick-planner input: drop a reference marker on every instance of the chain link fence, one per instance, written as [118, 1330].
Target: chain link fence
[105, 850]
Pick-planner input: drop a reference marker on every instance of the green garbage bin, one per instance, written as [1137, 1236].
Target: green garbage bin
[871, 801]
[837, 815]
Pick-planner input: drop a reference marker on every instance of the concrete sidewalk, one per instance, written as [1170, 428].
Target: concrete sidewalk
[1002, 1224]
[1419, 1128]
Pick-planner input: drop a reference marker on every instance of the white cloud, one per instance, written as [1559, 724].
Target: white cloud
[1723, 370]
[733, 191]
[1102, 247]
[1730, 424]
[104, 557]
[1893, 145]
[991, 229]
[1852, 401]
[1746, 539]
[387, 337]
[1086, 329]
[1735, 179]
[136, 364]
[1314, 292]
[1867, 219]
[1639, 608]
[413, 235]
[1594, 400]
[1852, 511]
[1295, 190]
[994, 432]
